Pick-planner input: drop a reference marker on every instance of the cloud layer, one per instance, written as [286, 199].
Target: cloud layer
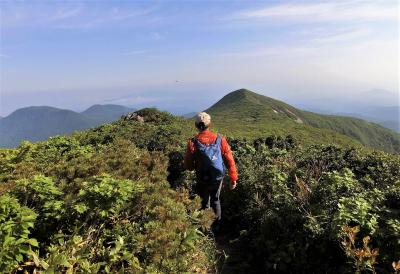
[341, 11]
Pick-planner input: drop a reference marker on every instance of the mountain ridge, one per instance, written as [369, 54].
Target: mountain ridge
[241, 113]
[105, 113]
[245, 108]
[36, 123]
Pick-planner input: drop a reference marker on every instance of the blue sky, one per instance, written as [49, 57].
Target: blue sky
[184, 55]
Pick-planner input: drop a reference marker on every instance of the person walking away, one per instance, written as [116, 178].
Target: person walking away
[209, 154]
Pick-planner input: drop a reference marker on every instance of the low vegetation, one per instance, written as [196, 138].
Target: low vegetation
[100, 206]
[116, 199]
[292, 206]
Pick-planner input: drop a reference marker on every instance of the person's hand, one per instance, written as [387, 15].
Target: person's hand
[232, 186]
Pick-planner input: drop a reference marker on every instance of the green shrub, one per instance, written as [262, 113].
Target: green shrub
[16, 223]
[116, 199]
[103, 207]
[291, 205]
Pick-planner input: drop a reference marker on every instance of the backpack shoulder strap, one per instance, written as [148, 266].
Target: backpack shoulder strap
[218, 140]
[196, 142]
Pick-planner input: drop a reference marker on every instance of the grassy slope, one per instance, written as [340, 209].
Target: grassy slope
[248, 114]
[367, 133]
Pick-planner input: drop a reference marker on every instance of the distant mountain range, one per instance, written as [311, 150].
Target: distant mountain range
[246, 111]
[40, 122]
[377, 105]
[189, 115]
[386, 116]
[241, 113]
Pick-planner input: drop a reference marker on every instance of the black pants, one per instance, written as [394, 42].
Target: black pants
[209, 194]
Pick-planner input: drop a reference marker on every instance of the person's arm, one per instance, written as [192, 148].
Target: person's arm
[229, 161]
[189, 159]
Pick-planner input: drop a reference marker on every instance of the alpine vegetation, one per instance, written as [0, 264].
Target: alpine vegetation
[117, 198]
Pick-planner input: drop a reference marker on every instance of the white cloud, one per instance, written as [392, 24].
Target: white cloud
[133, 100]
[325, 12]
[117, 15]
[14, 14]
[156, 36]
[342, 36]
[307, 68]
[65, 13]
[136, 52]
[69, 15]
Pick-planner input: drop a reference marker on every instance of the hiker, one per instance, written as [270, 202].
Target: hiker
[209, 153]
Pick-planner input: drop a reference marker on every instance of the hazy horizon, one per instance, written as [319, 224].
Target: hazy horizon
[319, 106]
[182, 57]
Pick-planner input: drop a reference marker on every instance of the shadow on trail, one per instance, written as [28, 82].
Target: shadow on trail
[230, 250]
[229, 240]
[231, 257]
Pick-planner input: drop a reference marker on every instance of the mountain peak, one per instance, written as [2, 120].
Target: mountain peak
[251, 106]
[240, 94]
[107, 107]
[36, 109]
[244, 108]
[242, 91]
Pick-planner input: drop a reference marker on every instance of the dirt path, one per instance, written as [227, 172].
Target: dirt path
[231, 260]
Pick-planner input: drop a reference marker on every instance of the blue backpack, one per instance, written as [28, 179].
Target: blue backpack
[212, 166]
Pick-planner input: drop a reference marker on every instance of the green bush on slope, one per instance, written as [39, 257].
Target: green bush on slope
[101, 207]
[291, 206]
[103, 204]
[16, 223]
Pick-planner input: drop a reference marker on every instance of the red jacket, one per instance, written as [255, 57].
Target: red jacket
[207, 137]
